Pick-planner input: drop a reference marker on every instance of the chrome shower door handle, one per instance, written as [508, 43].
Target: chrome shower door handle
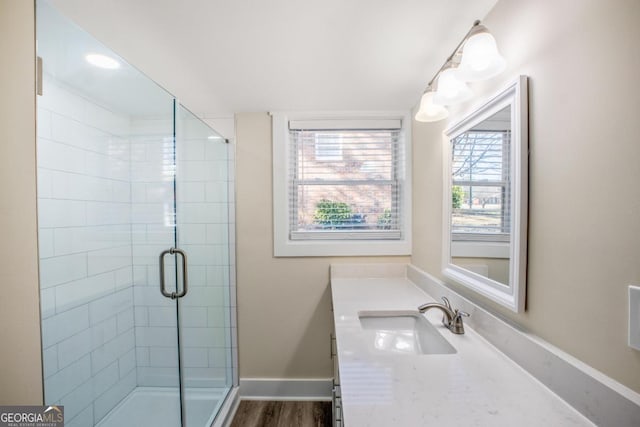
[185, 281]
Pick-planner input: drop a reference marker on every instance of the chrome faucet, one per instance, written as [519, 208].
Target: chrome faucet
[452, 319]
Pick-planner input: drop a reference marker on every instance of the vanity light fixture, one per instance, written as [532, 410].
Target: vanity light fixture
[475, 58]
[102, 61]
[480, 57]
[430, 112]
[451, 90]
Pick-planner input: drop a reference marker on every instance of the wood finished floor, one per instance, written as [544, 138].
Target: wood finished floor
[262, 413]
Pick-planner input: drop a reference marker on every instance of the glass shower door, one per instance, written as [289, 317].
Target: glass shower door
[106, 209]
[202, 233]
[189, 312]
[132, 193]
[156, 265]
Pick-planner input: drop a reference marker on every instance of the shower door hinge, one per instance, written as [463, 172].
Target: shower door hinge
[39, 75]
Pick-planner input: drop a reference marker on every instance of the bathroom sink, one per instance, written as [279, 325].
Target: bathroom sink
[403, 332]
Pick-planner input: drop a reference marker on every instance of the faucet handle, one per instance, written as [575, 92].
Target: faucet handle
[446, 302]
[457, 326]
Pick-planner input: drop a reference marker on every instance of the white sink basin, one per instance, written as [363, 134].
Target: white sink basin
[403, 332]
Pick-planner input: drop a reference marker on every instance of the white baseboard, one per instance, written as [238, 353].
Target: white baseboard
[598, 397]
[285, 389]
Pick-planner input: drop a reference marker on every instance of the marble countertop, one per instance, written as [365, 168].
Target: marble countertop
[476, 386]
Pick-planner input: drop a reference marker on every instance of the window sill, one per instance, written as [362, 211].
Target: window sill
[306, 248]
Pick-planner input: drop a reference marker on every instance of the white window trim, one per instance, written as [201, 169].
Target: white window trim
[283, 246]
[461, 249]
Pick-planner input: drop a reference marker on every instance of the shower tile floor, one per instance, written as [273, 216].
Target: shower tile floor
[160, 407]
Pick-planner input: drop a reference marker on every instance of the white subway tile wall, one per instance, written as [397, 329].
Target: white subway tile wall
[204, 164]
[106, 211]
[84, 211]
[153, 224]
[203, 229]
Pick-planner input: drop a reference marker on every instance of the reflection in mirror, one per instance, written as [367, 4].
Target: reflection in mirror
[480, 197]
[485, 198]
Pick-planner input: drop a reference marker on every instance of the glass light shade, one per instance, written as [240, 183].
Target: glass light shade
[480, 58]
[451, 90]
[430, 112]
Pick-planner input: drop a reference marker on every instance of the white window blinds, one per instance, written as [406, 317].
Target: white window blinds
[481, 186]
[344, 179]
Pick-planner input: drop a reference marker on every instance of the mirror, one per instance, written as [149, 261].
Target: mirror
[485, 198]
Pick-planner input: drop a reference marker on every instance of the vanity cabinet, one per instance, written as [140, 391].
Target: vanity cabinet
[336, 396]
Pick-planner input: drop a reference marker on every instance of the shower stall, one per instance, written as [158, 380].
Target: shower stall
[135, 238]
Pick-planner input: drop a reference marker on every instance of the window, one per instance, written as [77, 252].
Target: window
[350, 192]
[340, 186]
[480, 186]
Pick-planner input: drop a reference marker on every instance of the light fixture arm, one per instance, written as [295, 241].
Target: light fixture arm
[453, 54]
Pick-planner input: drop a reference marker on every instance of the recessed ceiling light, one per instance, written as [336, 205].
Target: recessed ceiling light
[102, 61]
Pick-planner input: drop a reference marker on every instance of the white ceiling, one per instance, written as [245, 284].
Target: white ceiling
[225, 56]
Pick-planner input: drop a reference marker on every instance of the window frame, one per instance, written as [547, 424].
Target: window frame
[504, 184]
[284, 245]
